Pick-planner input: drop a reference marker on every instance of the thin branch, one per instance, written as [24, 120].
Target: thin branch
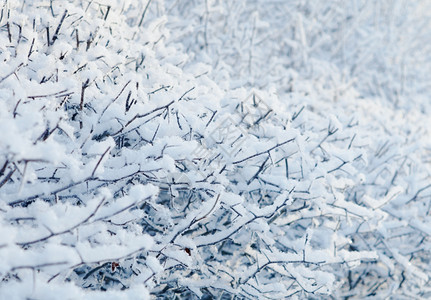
[100, 160]
[263, 152]
[143, 14]
[57, 31]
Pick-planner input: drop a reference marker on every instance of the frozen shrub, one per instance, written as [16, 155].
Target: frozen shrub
[202, 150]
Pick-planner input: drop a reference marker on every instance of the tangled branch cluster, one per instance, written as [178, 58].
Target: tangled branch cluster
[135, 161]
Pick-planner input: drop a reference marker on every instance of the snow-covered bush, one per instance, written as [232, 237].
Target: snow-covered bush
[207, 149]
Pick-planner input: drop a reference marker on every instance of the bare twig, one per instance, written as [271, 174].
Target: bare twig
[263, 152]
[100, 160]
[57, 31]
[13, 72]
[143, 14]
